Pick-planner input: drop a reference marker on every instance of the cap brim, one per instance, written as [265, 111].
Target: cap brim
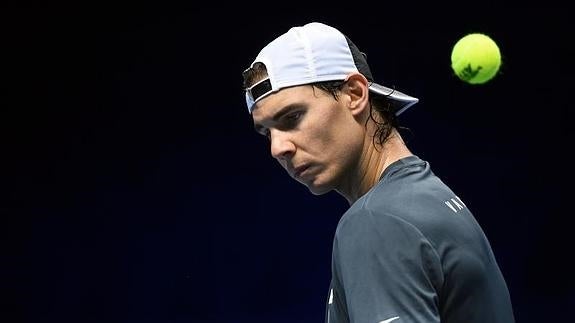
[400, 101]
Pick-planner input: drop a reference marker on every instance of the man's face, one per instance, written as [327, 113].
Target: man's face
[313, 136]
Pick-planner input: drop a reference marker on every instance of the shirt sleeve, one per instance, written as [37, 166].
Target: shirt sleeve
[386, 270]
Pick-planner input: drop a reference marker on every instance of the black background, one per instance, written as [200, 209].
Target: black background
[134, 188]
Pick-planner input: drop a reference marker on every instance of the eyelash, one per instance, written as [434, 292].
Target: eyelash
[293, 117]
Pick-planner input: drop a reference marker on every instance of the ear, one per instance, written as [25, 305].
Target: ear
[357, 91]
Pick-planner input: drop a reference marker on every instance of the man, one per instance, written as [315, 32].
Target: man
[408, 249]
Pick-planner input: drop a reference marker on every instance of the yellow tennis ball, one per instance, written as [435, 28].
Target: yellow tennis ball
[475, 58]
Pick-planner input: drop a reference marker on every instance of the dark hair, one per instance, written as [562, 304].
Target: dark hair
[385, 123]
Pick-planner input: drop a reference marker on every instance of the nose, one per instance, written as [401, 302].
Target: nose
[280, 145]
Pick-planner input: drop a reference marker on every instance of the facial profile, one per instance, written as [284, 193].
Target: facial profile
[304, 127]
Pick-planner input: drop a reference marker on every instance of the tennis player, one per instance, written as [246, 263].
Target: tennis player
[408, 249]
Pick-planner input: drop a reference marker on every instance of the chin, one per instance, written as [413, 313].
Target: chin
[318, 189]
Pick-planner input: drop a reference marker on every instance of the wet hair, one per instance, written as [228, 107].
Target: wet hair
[380, 109]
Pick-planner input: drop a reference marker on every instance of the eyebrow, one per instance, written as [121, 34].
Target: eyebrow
[282, 112]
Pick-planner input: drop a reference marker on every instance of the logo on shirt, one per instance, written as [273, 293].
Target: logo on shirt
[455, 204]
[389, 320]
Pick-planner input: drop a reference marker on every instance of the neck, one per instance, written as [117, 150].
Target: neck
[372, 164]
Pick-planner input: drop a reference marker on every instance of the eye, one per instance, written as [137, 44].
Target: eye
[292, 119]
[294, 116]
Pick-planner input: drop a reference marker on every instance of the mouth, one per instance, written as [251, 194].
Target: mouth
[299, 170]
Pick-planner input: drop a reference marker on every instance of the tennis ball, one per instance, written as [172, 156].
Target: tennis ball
[475, 58]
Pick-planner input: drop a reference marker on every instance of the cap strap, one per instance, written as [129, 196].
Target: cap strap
[260, 89]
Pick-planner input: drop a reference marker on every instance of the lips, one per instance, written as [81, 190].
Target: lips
[297, 171]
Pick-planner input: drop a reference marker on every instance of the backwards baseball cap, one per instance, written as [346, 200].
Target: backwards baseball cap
[314, 53]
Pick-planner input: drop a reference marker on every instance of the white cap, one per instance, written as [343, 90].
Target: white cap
[314, 53]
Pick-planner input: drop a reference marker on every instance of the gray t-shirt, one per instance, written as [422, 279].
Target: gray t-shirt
[410, 250]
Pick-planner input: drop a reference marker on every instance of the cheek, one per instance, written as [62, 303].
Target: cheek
[336, 138]
[346, 143]
[322, 136]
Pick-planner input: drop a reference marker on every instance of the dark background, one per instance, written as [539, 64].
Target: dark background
[134, 188]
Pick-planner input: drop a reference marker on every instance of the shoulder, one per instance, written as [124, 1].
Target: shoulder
[363, 221]
[409, 197]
